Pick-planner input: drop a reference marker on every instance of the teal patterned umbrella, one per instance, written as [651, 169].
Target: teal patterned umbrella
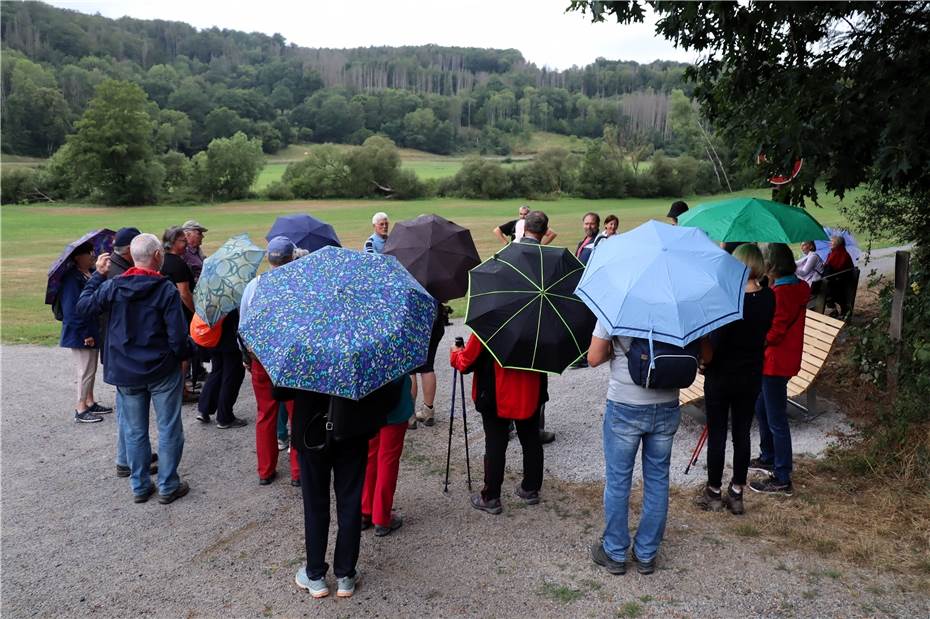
[224, 276]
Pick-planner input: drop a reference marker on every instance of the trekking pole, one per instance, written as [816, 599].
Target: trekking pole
[465, 423]
[455, 374]
[697, 450]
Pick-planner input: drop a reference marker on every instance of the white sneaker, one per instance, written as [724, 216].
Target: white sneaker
[317, 588]
[346, 585]
[425, 415]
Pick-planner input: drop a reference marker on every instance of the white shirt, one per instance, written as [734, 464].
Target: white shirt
[810, 267]
[519, 230]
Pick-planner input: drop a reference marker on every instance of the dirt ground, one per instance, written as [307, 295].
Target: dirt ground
[74, 544]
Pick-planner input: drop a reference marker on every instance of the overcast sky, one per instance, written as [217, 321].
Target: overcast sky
[541, 30]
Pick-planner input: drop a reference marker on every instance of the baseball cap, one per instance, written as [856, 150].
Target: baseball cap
[191, 224]
[124, 236]
[280, 248]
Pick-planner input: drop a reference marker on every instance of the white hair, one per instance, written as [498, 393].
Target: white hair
[379, 216]
[143, 249]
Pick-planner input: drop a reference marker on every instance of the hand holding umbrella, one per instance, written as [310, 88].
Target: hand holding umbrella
[101, 239]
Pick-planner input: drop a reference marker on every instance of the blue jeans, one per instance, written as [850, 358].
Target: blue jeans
[282, 422]
[625, 426]
[120, 439]
[165, 395]
[774, 433]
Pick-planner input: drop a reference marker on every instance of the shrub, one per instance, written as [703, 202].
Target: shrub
[17, 186]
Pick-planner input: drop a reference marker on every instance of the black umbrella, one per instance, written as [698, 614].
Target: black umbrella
[437, 252]
[522, 306]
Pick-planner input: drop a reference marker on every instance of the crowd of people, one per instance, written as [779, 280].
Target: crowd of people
[134, 306]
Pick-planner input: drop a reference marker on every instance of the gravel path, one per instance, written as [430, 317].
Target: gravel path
[74, 544]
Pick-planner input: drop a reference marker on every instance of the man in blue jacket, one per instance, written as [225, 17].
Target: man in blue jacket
[146, 341]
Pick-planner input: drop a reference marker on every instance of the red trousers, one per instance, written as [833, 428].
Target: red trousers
[381, 473]
[266, 425]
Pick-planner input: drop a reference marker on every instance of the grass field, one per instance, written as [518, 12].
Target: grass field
[32, 236]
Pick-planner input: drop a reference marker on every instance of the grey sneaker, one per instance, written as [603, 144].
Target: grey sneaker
[772, 486]
[734, 501]
[86, 417]
[317, 588]
[283, 443]
[396, 523]
[492, 506]
[425, 416]
[345, 586]
[709, 500]
[761, 466]
[530, 497]
[599, 556]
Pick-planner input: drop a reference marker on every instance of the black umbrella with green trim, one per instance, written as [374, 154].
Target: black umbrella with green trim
[522, 306]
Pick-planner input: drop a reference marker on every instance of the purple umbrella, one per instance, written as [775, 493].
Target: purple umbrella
[102, 240]
[823, 247]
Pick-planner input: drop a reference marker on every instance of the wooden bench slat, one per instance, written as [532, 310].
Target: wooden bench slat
[819, 327]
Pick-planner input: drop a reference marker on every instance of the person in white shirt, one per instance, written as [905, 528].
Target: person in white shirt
[810, 266]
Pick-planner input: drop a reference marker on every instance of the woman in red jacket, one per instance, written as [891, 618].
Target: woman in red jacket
[838, 270]
[783, 345]
[501, 395]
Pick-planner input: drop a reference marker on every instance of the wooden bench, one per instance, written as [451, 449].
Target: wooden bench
[819, 333]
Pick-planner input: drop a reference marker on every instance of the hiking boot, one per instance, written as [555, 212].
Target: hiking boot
[396, 523]
[345, 586]
[317, 588]
[182, 489]
[235, 422]
[644, 567]
[734, 501]
[99, 409]
[264, 481]
[530, 497]
[772, 486]
[599, 556]
[86, 417]
[425, 416]
[761, 466]
[546, 437]
[709, 500]
[142, 498]
[491, 506]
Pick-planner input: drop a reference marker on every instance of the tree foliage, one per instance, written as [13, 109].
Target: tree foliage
[228, 168]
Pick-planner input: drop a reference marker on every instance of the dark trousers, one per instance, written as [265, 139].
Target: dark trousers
[220, 392]
[774, 431]
[733, 399]
[496, 433]
[346, 460]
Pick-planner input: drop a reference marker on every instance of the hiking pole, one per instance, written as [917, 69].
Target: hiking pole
[455, 375]
[697, 450]
[465, 423]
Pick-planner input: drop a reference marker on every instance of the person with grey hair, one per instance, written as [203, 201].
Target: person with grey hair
[146, 342]
[375, 243]
[280, 252]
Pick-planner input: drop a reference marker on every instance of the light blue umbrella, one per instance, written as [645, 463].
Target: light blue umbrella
[668, 282]
[224, 276]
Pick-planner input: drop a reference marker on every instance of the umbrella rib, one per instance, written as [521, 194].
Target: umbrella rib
[567, 275]
[522, 274]
[562, 296]
[567, 328]
[538, 325]
[515, 314]
[542, 275]
[481, 294]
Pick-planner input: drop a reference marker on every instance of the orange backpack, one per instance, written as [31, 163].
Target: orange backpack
[203, 334]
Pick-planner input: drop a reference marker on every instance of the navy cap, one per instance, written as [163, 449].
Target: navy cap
[124, 236]
[280, 249]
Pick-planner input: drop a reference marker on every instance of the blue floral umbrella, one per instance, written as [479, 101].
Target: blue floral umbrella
[101, 239]
[339, 322]
[224, 276]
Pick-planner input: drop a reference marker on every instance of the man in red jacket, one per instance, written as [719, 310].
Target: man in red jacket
[783, 347]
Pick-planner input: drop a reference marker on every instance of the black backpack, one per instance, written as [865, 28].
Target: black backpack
[659, 365]
[486, 380]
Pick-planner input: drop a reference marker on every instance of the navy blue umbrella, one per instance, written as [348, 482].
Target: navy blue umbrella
[101, 239]
[304, 231]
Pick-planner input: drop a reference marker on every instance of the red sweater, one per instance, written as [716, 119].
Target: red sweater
[839, 260]
[785, 339]
[516, 391]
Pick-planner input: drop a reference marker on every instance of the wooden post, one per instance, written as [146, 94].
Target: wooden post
[902, 268]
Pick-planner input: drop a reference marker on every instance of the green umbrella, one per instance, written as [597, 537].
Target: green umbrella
[753, 220]
[224, 276]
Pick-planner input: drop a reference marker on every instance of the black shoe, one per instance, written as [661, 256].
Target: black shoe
[644, 567]
[142, 498]
[264, 481]
[366, 522]
[86, 417]
[492, 506]
[296, 482]
[734, 501]
[236, 422]
[760, 466]
[709, 500]
[97, 408]
[772, 486]
[396, 523]
[203, 417]
[546, 437]
[599, 556]
[530, 497]
[180, 491]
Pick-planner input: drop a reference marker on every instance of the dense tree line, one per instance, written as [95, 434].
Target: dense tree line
[215, 83]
